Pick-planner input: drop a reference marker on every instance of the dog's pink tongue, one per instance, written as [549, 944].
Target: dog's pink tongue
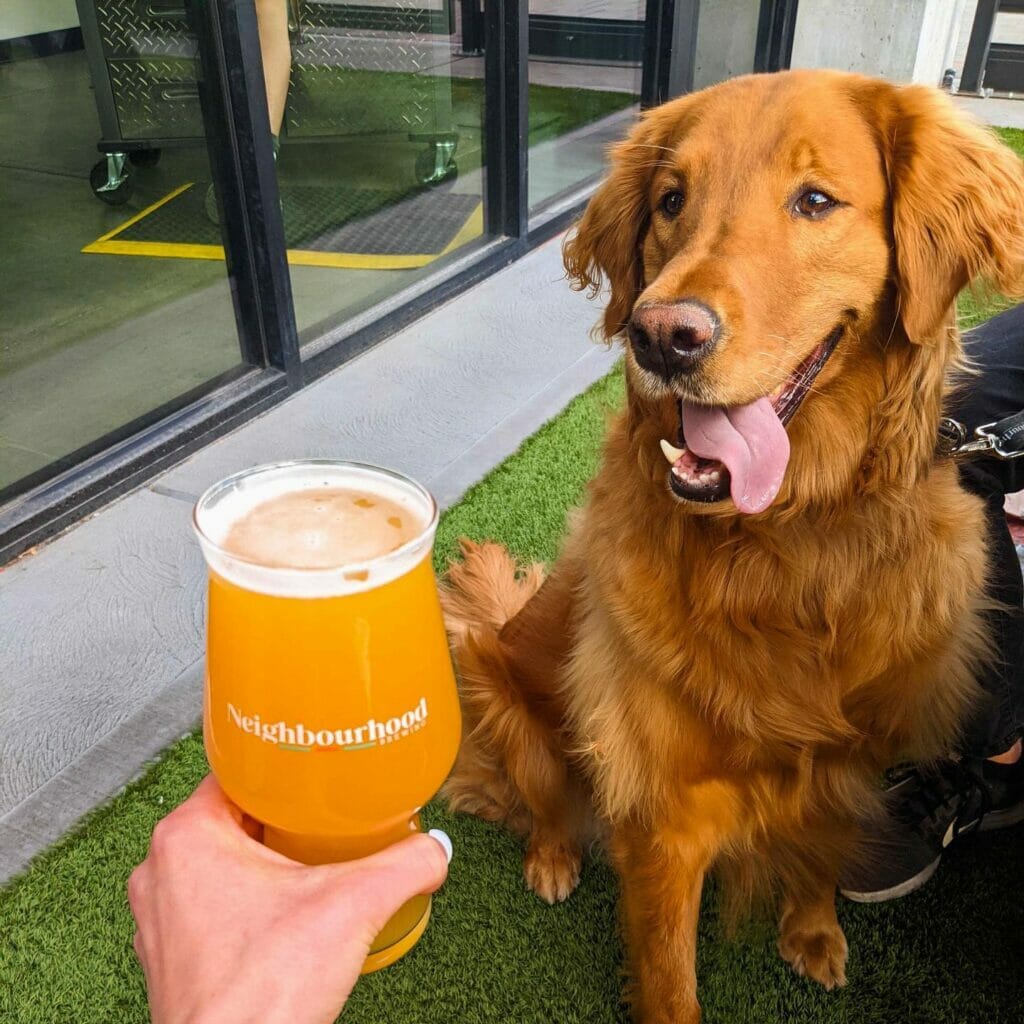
[749, 440]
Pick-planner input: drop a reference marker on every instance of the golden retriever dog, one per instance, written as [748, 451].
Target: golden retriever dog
[775, 589]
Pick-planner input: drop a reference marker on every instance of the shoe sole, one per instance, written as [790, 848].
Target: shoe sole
[905, 888]
[1002, 819]
[989, 823]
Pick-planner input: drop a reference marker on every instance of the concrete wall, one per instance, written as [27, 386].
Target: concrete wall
[29, 17]
[963, 36]
[726, 37]
[939, 29]
[902, 40]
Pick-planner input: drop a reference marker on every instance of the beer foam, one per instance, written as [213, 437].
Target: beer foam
[314, 529]
[321, 528]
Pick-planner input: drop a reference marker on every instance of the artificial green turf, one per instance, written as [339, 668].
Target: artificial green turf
[373, 101]
[493, 954]
[949, 954]
[1013, 137]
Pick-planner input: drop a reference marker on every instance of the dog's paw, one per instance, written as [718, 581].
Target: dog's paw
[552, 870]
[818, 953]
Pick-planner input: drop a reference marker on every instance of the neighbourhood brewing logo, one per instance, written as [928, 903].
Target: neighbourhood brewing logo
[301, 737]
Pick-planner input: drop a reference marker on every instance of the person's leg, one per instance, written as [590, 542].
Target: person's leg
[275, 47]
[931, 805]
[276, 53]
[996, 348]
[993, 731]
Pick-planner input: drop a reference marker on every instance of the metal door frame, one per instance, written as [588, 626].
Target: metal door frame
[980, 56]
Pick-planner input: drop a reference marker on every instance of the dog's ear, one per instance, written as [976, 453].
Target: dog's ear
[957, 198]
[606, 243]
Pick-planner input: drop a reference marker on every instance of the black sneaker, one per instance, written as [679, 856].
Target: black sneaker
[928, 807]
[1005, 786]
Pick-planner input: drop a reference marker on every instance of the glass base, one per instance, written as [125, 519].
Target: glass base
[405, 926]
[393, 953]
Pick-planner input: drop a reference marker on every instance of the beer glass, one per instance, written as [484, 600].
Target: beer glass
[330, 711]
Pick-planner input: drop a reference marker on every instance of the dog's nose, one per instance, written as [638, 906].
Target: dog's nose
[670, 338]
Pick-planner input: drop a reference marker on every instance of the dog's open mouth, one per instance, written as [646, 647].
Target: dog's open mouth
[741, 450]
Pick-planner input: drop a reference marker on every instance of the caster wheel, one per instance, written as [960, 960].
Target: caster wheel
[111, 184]
[144, 157]
[210, 206]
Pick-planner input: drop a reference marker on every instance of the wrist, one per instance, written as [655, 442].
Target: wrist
[225, 1008]
[252, 1007]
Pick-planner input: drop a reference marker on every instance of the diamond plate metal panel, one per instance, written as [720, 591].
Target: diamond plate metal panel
[388, 73]
[156, 98]
[355, 70]
[150, 58]
[135, 28]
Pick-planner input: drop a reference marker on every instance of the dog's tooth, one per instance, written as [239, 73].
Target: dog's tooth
[671, 452]
[716, 477]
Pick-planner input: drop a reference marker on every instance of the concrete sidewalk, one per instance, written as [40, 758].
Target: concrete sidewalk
[101, 650]
[995, 110]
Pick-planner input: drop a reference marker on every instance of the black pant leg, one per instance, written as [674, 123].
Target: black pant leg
[996, 349]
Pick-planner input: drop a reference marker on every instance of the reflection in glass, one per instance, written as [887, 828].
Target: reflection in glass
[726, 41]
[585, 60]
[105, 319]
[380, 162]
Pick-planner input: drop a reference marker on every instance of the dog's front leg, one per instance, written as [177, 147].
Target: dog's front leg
[662, 874]
[810, 936]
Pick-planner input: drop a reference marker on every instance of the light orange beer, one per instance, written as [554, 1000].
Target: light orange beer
[330, 711]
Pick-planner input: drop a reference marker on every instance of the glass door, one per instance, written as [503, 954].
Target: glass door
[584, 70]
[109, 321]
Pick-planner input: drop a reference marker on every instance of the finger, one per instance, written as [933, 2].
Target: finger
[209, 801]
[373, 888]
[445, 840]
[138, 887]
[139, 947]
[210, 806]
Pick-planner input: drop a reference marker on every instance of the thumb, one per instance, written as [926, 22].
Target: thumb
[376, 886]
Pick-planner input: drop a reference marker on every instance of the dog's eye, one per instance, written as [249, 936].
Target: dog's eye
[813, 203]
[671, 203]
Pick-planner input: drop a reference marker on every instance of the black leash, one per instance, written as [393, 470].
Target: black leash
[1004, 438]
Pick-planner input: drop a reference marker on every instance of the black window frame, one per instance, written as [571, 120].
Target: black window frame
[238, 140]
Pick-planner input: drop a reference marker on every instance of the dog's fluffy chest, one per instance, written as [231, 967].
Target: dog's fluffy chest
[762, 651]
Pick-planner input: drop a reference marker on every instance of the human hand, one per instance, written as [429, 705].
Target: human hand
[232, 932]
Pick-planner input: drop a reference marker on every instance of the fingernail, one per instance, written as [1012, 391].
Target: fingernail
[444, 840]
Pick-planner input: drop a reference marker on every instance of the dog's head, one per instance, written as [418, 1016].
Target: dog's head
[790, 247]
